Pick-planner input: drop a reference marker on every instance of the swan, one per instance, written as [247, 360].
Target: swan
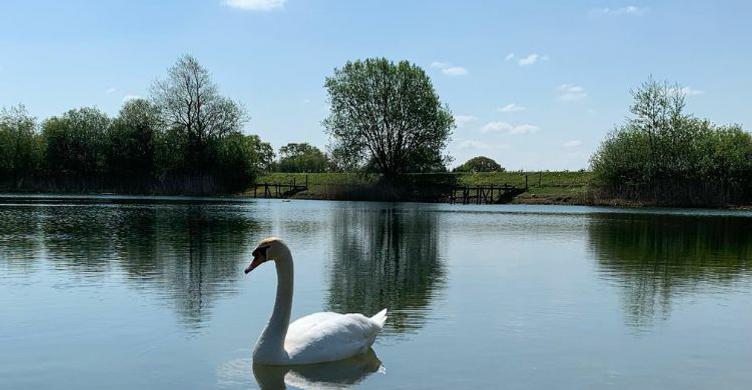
[315, 338]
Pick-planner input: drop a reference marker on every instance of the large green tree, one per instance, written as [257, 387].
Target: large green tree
[132, 140]
[387, 116]
[302, 157]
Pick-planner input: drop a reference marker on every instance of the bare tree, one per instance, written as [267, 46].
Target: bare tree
[190, 104]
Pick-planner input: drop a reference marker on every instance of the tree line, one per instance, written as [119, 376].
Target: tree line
[186, 138]
[384, 118]
[663, 155]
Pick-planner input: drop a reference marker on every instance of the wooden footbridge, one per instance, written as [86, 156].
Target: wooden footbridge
[279, 190]
[484, 194]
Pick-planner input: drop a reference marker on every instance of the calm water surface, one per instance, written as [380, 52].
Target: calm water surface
[141, 292]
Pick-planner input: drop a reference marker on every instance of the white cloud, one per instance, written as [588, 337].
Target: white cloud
[473, 144]
[110, 90]
[506, 128]
[689, 91]
[628, 10]
[462, 120]
[449, 69]
[570, 92]
[130, 97]
[255, 5]
[529, 59]
[306, 101]
[511, 107]
[572, 144]
[454, 71]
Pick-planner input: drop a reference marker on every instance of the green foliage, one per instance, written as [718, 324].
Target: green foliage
[76, 142]
[238, 160]
[21, 149]
[387, 117]
[302, 157]
[132, 140]
[187, 139]
[479, 164]
[666, 156]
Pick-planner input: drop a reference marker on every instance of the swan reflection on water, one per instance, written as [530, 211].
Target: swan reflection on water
[331, 375]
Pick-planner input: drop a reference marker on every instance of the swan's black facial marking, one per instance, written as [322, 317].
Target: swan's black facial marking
[259, 257]
[260, 252]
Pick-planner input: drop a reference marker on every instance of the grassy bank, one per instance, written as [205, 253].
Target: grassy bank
[543, 187]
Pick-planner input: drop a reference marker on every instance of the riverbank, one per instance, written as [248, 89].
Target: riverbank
[543, 187]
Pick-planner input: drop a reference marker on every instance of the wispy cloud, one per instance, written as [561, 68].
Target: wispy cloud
[110, 90]
[512, 107]
[462, 120]
[527, 60]
[572, 144]
[255, 5]
[570, 92]
[130, 97]
[474, 144]
[628, 10]
[449, 69]
[506, 128]
[689, 91]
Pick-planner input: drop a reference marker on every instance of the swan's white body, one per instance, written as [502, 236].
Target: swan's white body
[316, 338]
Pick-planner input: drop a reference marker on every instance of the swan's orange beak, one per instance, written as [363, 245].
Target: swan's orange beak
[255, 263]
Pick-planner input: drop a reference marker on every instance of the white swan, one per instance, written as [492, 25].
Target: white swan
[316, 338]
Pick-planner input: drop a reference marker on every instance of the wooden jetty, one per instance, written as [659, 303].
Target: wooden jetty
[484, 194]
[278, 190]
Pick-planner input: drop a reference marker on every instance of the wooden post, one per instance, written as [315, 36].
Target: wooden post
[540, 177]
[525, 182]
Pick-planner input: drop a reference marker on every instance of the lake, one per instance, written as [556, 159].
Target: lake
[139, 292]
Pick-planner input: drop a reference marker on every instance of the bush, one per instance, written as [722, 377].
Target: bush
[479, 164]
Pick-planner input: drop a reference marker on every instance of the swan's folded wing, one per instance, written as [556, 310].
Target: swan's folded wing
[303, 324]
[329, 336]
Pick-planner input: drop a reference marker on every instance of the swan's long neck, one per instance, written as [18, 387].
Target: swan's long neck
[270, 346]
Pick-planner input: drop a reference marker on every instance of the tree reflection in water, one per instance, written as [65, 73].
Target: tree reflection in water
[656, 258]
[386, 257]
[190, 254]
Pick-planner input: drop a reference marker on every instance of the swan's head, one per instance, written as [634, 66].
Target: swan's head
[268, 249]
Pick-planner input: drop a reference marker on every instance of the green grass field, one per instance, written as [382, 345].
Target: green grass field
[543, 187]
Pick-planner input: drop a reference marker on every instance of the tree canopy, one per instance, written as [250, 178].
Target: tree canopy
[479, 164]
[387, 117]
[302, 157]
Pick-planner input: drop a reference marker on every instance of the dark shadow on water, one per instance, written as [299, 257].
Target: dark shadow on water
[657, 258]
[340, 374]
[386, 257]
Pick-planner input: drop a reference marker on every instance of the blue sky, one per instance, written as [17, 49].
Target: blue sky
[535, 85]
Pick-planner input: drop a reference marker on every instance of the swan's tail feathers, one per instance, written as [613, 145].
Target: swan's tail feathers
[380, 318]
